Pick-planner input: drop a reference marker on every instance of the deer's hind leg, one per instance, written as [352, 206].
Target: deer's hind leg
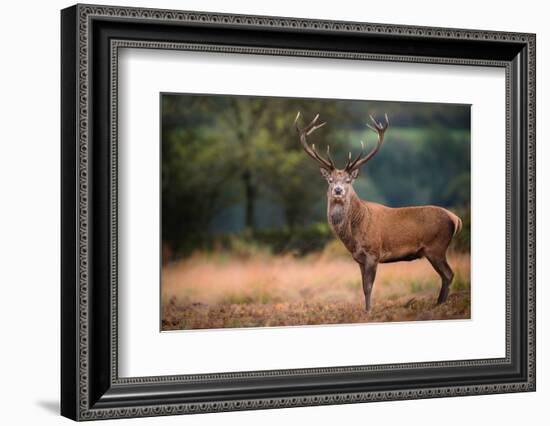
[439, 263]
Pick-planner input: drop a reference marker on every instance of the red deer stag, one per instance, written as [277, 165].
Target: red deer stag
[374, 233]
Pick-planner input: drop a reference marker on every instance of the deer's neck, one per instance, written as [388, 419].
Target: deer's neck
[343, 217]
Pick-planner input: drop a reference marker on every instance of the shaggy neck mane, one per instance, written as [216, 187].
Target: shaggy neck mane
[342, 216]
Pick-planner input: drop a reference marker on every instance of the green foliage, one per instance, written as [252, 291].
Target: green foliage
[234, 173]
[461, 242]
[419, 166]
[298, 241]
[244, 246]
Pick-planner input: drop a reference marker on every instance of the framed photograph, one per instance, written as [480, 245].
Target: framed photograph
[263, 212]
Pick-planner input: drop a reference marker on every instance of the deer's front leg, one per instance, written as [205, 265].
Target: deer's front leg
[368, 274]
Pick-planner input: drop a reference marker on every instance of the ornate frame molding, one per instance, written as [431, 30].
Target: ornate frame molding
[80, 18]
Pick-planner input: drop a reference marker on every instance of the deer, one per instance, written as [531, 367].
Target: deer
[374, 233]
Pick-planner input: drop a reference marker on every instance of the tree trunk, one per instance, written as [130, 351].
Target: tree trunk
[291, 217]
[250, 200]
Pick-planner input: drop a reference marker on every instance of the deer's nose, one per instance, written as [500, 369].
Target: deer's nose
[338, 190]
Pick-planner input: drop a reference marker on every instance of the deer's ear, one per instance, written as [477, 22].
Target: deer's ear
[325, 173]
[354, 174]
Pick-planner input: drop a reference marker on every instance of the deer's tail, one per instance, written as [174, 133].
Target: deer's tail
[457, 222]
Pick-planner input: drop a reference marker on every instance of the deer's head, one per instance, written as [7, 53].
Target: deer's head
[340, 181]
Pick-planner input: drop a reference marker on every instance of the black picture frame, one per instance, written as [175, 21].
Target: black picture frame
[90, 386]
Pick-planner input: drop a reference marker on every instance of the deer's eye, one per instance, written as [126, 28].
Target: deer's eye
[348, 180]
[330, 180]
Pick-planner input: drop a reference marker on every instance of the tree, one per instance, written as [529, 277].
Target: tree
[230, 159]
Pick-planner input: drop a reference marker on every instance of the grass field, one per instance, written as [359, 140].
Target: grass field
[223, 291]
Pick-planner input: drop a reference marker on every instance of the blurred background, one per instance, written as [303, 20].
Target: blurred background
[236, 184]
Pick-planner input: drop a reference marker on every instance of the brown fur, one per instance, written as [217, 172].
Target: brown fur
[374, 233]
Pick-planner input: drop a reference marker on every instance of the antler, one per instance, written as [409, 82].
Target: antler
[306, 131]
[358, 161]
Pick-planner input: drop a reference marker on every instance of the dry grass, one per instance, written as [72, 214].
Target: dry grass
[219, 290]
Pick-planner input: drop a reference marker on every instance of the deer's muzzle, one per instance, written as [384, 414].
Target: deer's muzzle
[338, 191]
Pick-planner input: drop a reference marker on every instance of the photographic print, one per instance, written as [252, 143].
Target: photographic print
[290, 211]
